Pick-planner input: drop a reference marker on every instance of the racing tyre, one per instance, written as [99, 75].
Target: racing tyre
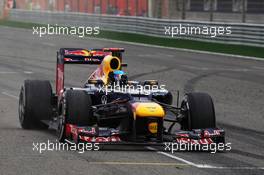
[35, 104]
[199, 111]
[78, 108]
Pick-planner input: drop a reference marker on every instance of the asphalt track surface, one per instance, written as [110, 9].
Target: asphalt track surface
[236, 85]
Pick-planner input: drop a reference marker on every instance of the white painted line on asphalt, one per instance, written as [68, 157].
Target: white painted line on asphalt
[174, 157]
[216, 69]
[181, 49]
[140, 163]
[69, 141]
[236, 168]
[204, 166]
[167, 55]
[256, 67]
[48, 44]
[28, 72]
[10, 95]
[155, 55]
[195, 67]
[233, 70]
[146, 55]
[8, 72]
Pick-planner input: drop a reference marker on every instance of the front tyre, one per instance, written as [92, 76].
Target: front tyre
[35, 104]
[78, 108]
[199, 111]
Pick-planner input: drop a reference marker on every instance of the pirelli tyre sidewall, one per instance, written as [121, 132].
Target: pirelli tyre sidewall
[199, 111]
[35, 104]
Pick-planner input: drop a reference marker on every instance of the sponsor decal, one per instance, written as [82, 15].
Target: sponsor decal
[88, 130]
[153, 127]
[77, 52]
[101, 139]
[207, 133]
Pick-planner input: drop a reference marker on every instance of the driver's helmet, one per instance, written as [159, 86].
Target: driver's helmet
[118, 77]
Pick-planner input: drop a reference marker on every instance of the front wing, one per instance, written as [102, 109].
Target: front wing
[113, 136]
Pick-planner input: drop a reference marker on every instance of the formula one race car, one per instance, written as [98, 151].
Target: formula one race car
[110, 108]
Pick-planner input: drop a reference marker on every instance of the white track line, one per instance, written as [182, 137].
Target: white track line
[181, 49]
[139, 163]
[69, 142]
[203, 166]
[8, 72]
[10, 95]
[217, 69]
[174, 157]
[28, 72]
[48, 44]
[256, 67]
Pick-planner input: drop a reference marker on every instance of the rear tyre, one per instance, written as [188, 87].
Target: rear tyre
[35, 104]
[78, 108]
[199, 111]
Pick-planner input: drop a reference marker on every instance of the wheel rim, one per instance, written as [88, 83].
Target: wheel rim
[21, 107]
[61, 127]
[186, 109]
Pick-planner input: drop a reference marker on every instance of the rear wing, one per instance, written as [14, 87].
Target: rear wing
[81, 56]
[87, 56]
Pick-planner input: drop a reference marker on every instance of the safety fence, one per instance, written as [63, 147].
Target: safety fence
[233, 33]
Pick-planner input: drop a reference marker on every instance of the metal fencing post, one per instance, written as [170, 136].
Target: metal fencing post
[169, 9]
[57, 5]
[243, 11]
[147, 8]
[127, 8]
[211, 11]
[116, 8]
[78, 5]
[71, 6]
[107, 7]
[93, 6]
[101, 3]
[86, 6]
[183, 10]
[160, 4]
[136, 13]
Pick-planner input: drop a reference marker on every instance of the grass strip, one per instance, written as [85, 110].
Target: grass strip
[168, 42]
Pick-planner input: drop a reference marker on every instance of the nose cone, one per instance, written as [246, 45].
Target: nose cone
[148, 109]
